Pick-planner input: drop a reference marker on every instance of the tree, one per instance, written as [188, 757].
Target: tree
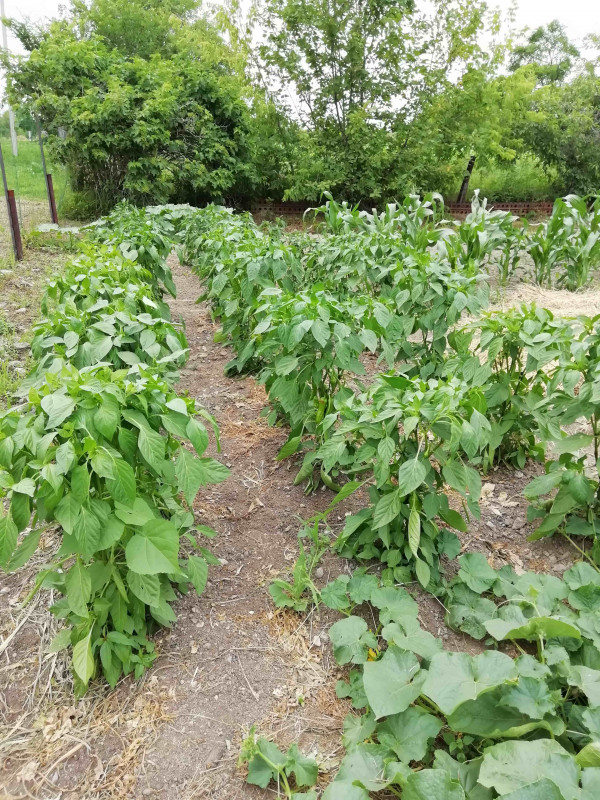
[549, 51]
[357, 75]
[135, 27]
[562, 129]
[152, 129]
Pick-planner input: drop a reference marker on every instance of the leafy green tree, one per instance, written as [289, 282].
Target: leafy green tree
[550, 52]
[358, 76]
[155, 129]
[562, 129]
[136, 27]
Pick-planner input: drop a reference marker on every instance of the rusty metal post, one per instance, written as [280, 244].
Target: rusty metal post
[13, 217]
[50, 189]
[14, 225]
[47, 178]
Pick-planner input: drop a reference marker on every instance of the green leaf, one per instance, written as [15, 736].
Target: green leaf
[24, 551]
[581, 574]
[138, 514]
[61, 641]
[542, 484]
[65, 456]
[260, 773]
[80, 483]
[357, 729]
[414, 532]
[20, 510]
[589, 756]
[123, 485]
[386, 449]
[87, 531]
[305, 770]
[510, 766]
[590, 784]
[155, 549]
[454, 678]
[432, 784]
[410, 476]
[334, 594]
[197, 568]
[476, 572]
[83, 659]
[8, 539]
[152, 446]
[344, 790]
[394, 603]
[351, 640]
[546, 627]
[58, 407]
[361, 585]
[455, 476]
[454, 519]
[103, 464]
[321, 331]
[107, 417]
[144, 587]
[571, 444]
[193, 472]
[588, 680]
[365, 765]
[389, 683]
[78, 587]
[486, 716]
[408, 734]
[198, 435]
[410, 636]
[387, 508]
[423, 572]
[24, 486]
[543, 789]
[289, 448]
[468, 612]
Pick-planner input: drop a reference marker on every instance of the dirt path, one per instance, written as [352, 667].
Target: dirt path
[230, 662]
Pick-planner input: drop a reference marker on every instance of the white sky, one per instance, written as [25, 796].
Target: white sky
[580, 17]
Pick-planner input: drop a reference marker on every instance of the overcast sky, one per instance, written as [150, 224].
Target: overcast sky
[580, 17]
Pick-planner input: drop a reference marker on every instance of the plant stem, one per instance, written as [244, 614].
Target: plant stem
[579, 550]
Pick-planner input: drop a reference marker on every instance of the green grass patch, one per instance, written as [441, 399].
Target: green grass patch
[25, 175]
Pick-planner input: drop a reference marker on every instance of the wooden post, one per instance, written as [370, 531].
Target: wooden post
[462, 195]
[48, 179]
[13, 217]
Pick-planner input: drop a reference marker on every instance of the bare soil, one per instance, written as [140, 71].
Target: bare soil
[231, 660]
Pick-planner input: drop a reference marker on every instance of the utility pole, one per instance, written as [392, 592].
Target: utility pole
[11, 113]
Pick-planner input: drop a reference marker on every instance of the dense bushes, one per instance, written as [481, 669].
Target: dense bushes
[157, 102]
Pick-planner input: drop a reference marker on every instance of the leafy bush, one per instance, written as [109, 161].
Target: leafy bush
[438, 724]
[150, 129]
